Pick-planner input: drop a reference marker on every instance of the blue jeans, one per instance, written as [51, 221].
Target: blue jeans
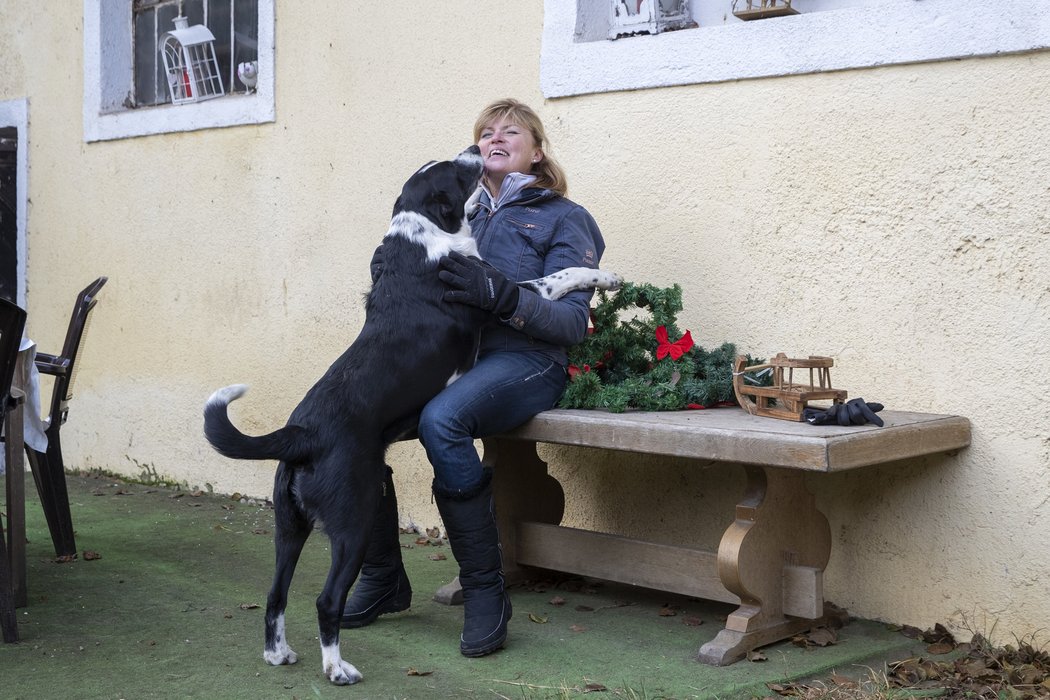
[502, 391]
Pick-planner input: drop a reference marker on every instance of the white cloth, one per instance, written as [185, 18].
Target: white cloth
[33, 425]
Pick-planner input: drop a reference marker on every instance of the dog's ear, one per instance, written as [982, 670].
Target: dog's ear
[444, 207]
[397, 206]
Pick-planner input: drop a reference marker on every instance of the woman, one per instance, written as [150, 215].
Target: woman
[525, 228]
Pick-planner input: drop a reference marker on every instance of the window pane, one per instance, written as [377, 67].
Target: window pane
[146, 60]
[194, 11]
[219, 24]
[246, 30]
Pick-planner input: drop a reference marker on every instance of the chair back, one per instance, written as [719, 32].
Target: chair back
[79, 323]
[12, 323]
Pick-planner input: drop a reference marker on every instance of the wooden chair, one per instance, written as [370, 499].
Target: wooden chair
[48, 467]
[12, 323]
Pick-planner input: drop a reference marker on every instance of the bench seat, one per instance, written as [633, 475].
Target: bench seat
[771, 559]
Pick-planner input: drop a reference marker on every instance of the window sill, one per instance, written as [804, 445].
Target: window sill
[229, 110]
[883, 33]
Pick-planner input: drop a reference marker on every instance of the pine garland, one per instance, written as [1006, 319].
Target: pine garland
[629, 363]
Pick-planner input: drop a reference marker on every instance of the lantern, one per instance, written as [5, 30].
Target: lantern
[648, 17]
[190, 64]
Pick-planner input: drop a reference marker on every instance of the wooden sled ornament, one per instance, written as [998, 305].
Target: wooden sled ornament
[791, 398]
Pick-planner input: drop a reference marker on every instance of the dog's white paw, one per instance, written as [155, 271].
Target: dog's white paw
[342, 673]
[336, 670]
[280, 656]
[610, 281]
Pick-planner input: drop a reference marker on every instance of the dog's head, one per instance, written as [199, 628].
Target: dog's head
[443, 191]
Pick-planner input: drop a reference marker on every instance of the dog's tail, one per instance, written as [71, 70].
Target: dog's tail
[287, 444]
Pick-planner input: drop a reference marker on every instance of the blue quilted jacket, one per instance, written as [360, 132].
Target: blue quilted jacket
[537, 233]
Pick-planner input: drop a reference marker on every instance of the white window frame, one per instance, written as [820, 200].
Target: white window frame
[108, 66]
[883, 32]
[16, 113]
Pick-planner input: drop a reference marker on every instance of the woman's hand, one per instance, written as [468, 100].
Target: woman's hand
[473, 281]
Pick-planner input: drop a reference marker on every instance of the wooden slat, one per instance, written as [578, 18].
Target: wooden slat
[662, 567]
[732, 435]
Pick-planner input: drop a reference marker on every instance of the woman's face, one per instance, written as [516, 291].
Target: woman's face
[507, 148]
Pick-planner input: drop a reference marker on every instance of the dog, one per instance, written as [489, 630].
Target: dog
[413, 343]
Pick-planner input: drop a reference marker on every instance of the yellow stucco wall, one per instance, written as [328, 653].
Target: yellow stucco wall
[893, 218]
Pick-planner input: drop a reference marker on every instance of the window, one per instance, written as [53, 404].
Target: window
[125, 93]
[233, 22]
[825, 35]
[14, 198]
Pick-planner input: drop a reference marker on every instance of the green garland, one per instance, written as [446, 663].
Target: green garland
[623, 365]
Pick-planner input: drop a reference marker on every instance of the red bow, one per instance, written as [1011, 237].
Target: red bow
[664, 347]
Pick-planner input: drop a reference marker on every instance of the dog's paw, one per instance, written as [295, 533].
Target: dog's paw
[342, 673]
[611, 281]
[280, 657]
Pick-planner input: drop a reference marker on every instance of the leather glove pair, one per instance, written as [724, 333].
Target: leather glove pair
[475, 282]
[853, 412]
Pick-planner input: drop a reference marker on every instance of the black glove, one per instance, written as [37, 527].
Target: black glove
[853, 412]
[375, 267]
[475, 282]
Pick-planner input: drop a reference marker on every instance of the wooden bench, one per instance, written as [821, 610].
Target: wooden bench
[772, 556]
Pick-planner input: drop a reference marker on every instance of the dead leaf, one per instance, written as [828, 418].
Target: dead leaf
[90, 555]
[65, 559]
[691, 621]
[235, 496]
[538, 619]
[434, 533]
[911, 632]
[940, 648]
[260, 531]
[422, 541]
[557, 601]
[577, 628]
[248, 606]
[821, 637]
[667, 611]
[196, 493]
[755, 655]
[843, 681]
[594, 688]
[414, 672]
[437, 557]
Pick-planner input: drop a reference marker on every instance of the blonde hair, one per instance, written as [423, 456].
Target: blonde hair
[547, 171]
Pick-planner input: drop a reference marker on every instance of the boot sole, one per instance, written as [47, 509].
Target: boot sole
[483, 651]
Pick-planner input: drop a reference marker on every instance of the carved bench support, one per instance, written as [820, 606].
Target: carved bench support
[772, 557]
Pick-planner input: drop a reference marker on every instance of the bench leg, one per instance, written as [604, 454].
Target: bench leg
[523, 491]
[772, 556]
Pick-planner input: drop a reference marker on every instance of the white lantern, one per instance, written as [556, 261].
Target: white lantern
[648, 17]
[190, 64]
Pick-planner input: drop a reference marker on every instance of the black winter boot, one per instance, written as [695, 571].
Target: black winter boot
[471, 526]
[383, 585]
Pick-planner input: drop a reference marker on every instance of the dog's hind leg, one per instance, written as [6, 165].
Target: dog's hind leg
[291, 529]
[289, 539]
[347, 556]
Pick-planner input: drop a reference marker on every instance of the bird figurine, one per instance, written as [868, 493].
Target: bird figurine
[248, 73]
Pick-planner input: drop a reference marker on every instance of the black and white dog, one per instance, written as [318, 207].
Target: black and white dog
[412, 344]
